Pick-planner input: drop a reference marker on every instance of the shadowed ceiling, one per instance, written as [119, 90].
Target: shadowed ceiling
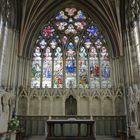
[35, 13]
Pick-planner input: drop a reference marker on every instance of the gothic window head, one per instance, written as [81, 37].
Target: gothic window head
[70, 51]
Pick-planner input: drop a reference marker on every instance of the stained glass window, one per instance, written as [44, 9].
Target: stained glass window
[71, 51]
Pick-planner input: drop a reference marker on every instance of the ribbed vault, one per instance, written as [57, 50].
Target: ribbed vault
[36, 13]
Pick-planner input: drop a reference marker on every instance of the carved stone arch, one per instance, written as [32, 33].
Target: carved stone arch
[71, 106]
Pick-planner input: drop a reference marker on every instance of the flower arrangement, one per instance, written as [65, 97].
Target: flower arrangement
[14, 124]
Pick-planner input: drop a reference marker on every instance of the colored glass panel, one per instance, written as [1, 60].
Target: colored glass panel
[93, 31]
[70, 11]
[48, 32]
[36, 69]
[83, 68]
[80, 16]
[58, 69]
[94, 69]
[47, 69]
[70, 66]
[71, 44]
[61, 25]
[80, 25]
[70, 29]
[105, 68]
[61, 15]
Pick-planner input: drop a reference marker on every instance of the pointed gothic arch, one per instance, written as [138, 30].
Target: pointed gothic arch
[71, 106]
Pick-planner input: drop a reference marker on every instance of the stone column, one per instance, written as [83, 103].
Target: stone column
[113, 105]
[39, 101]
[28, 105]
[102, 106]
[63, 106]
[78, 106]
[51, 107]
[90, 107]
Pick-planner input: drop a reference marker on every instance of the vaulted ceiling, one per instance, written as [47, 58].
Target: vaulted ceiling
[107, 13]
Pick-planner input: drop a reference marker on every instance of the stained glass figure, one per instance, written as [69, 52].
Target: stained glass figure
[64, 40]
[94, 68]
[70, 65]
[83, 68]
[105, 68]
[36, 69]
[47, 69]
[76, 39]
[58, 69]
[53, 44]
[48, 31]
[98, 43]
[43, 43]
[88, 43]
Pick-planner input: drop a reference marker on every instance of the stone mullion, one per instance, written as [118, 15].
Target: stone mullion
[52, 80]
[116, 67]
[29, 73]
[88, 70]
[77, 68]
[100, 74]
[22, 70]
[25, 72]
[41, 77]
[64, 67]
[112, 69]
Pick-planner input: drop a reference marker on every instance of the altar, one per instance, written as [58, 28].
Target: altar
[70, 130]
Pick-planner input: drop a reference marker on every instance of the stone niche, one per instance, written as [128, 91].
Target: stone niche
[95, 103]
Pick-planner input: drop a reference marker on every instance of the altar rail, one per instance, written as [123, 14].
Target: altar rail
[105, 125]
